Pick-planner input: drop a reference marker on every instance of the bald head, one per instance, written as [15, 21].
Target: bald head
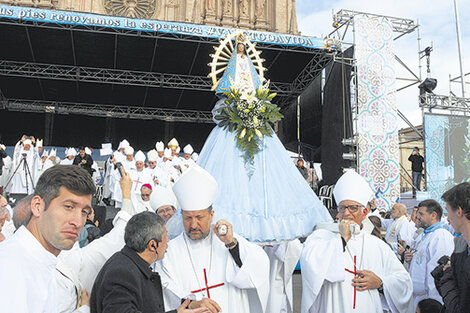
[22, 212]
[398, 210]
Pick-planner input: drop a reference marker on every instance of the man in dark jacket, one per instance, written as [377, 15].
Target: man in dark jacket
[126, 283]
[453, 283]
[417, 161]
[84, 160]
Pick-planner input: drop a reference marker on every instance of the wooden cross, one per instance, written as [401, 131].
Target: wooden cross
[207, 287]
[355, 273]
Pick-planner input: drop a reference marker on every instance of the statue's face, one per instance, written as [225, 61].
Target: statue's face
[241, 48]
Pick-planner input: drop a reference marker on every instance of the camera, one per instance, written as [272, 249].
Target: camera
[439, 270]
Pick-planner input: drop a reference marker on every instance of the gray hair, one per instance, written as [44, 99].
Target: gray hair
[142, 228]
[22, 212]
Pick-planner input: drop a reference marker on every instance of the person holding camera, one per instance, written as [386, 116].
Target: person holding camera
[84, 160]
[453, 278]
[417, 161]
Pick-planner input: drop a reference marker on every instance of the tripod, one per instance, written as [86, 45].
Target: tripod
[27, 173]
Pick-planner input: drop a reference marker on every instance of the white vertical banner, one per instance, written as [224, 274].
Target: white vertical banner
[377, 125]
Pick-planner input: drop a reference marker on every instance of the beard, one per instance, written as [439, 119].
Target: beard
[197, 233]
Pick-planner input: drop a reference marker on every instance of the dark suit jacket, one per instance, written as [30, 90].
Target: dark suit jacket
[127, 284]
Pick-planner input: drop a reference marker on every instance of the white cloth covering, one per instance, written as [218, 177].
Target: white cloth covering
[245, 289]
[326, 285]
[430, 248]
[283, 259]
[27, 270]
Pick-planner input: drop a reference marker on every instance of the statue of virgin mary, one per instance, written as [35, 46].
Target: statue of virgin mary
[270, 201]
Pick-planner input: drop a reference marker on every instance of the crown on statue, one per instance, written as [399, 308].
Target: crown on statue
[240, 38]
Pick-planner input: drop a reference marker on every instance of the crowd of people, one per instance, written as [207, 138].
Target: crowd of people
[164, 251]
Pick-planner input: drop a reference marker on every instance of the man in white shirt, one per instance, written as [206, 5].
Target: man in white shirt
[60, 206]
[435, 242]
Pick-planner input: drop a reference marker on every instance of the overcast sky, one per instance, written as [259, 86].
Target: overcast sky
[437, 26]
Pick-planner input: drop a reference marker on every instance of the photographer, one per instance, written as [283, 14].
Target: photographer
[453, 281]
[84, 160]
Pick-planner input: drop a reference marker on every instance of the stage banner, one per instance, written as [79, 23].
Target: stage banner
[377, 124]
[447, 152]
[73, 19]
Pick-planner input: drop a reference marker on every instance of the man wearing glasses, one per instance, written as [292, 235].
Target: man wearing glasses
[345, 268]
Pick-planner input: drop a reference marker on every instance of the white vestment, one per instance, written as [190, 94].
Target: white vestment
[283, 259]
[66, 161]
[27, 272]
[21, 182]
[7, 163]
[186, 164]
[430, 248]
[140, 178]
[326, 285]
[169, 167]
[160, 175]
[245, 288]
[397, 230]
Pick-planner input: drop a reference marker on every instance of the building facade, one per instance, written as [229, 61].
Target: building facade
[264, 15]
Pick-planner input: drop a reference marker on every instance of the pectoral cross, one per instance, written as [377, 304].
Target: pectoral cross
[207, 286]
[355, 273]
[137, 183]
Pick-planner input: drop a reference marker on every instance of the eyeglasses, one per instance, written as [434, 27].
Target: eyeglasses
[352, 208]
[146, 195]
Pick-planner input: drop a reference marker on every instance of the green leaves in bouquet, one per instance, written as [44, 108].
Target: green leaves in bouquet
[250, 116]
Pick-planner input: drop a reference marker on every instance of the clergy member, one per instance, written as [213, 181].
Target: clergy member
[220, 269]
[70, 154]
[160, 147]
[163, 202]
[283, 258]
[345, 271]
[397, 229]
[23, 176]
[435, 242]
[59, 209]
[187, 161]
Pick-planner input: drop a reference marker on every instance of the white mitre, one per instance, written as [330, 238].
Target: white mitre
[173, 143]
[195, 189]
[140, 156]
[45, 153]
[162, 196]
[160, 146]
[71, 152]
[123, 144]
[352, 186]
[87, 151]
[195, 156]
[129, 150]
[39, 143]
[188, 149]
[167, 153]
[53, 153]
[152, 155]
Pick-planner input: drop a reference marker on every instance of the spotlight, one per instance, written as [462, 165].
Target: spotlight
[428, 85]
